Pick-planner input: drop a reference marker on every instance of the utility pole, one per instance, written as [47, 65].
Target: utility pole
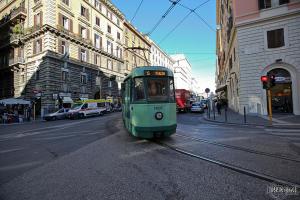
[269, 82]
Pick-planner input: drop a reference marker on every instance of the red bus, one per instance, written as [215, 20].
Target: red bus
[183, 100]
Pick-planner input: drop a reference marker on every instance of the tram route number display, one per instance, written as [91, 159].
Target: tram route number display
[155, 73]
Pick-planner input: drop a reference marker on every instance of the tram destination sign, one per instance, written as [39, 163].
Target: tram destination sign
[155, 73]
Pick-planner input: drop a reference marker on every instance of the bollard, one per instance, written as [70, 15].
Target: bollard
[225, 114]
[245, 121]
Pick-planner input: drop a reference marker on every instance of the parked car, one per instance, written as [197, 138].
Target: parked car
[197, 107]
[60, 114]
[88, 108]
[204, 103]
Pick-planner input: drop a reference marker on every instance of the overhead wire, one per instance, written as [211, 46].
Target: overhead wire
[174, 3]
[138, 8]
[183, 19]
[201, 18]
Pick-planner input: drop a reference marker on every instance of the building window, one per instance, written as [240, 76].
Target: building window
[275, 38]
[118, 36]
[64, 76]
[109, 84]
[38, 19]
[119, 67]
[109, 47]
[83, 78]
[83, 32]
[118, 22]
[97, 21]
[109, 64]
[63, 47]
[83, 55]
[84, 12]
[98, 41]
[37, 46]
[108, 14]
[98, 5]
[108, 28]
[66, 2]
[65, 22]
[263, 4]
[283, 2]
[97, 59]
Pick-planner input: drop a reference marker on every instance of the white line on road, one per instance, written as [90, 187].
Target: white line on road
[10, 150]
[14, 167]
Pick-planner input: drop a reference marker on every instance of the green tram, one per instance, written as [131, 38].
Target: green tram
[149, 106]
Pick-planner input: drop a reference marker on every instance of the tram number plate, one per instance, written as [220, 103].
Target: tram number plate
[157, 107]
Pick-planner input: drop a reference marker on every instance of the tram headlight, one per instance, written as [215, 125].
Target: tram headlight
[159, 115]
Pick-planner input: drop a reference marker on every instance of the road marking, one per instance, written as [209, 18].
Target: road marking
[14, 167]
[47, 129]
[10, 150]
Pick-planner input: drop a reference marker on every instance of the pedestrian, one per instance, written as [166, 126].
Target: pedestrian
[28, 113]
[219, 106]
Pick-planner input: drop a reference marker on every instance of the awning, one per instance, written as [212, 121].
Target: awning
[13, 101]
[223, 88]
[67, 100]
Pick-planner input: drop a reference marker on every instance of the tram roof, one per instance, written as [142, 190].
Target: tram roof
[140, 71]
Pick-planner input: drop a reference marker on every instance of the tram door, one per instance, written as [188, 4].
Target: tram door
[282, 101]
[127, 102]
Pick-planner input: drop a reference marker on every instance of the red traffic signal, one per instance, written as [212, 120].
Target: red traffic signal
[264, 79]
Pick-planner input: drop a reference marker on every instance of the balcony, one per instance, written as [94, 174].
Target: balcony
[16, 60]
[15, 16]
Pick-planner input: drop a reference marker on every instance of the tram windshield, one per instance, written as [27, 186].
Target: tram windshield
[153, 89]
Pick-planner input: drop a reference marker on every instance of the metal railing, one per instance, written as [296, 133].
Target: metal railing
[16, 60]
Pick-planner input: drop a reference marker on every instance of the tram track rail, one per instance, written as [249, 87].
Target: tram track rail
[241, 170]
[238, 148]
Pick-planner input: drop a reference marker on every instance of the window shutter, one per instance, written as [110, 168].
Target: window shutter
[59, 46]
[87, 56]
[41, 18]
[40, 45]
[88, 34]
[60, 19]
[71, 25]
[34, 22]
[79, 30]
[34, 47]
[67, 48]
[95, 58]
[79, 53]
[87, 14]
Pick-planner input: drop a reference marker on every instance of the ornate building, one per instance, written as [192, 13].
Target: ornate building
[63, 50]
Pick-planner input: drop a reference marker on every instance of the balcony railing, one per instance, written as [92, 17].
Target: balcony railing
[20, 11]
[16, 60]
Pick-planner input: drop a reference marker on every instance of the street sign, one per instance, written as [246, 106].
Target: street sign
[207, 90]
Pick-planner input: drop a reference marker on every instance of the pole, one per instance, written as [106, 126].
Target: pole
[34, 111]
[245, 121]
[270, 105]
[214, 111]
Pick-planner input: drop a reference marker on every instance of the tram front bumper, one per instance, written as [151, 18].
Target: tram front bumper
[150, 132]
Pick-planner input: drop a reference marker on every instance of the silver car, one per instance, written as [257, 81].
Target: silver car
[60, 114]
[197, 107]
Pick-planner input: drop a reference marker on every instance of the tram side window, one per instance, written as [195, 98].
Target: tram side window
[172, 94]
[139, 89]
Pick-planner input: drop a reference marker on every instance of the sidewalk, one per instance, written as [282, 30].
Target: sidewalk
[24, 122]
[281, 120]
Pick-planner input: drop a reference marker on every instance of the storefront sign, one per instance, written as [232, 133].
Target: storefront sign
[283, 79]
[62, 94]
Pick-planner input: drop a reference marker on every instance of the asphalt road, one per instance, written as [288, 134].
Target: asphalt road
[96, 158]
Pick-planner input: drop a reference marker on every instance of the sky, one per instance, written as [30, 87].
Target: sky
[193, 37]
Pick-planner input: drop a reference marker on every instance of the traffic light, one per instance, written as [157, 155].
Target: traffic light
[265, 81]
[268, 81]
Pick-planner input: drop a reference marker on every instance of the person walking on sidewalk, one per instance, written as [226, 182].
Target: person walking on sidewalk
[219, 106]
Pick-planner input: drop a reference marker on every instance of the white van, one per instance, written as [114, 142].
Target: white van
[87, 108]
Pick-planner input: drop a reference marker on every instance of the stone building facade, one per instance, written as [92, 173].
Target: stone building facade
[137, 48]
[257, 38]
[60, 50]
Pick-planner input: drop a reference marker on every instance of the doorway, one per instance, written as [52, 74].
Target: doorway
[282, 99]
